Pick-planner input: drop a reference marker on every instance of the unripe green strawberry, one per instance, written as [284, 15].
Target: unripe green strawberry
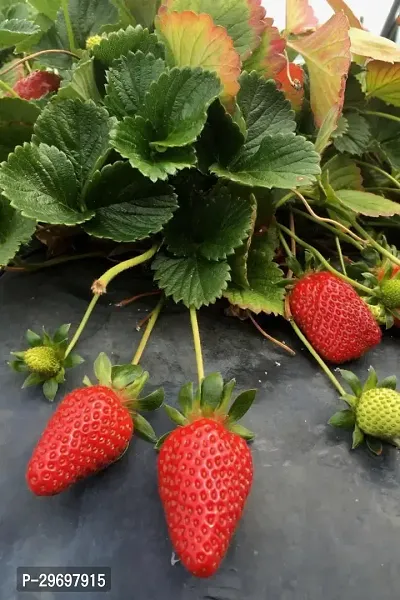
[378, 312]
[378, 413]
[391, 293]
[93, 41]
[42, 360]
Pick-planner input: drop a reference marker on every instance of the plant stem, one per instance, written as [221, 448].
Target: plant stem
[376, 245]
[269, 337]
[70, 31]
[340, 234]
[319, 360]
[283, 200]
[29, 267]
[101, 288]
[35, 55]
[374, 113]
[127, 301]
[326, 264]
[339, 249]
[380, 171]
[285, 244]
[100, 285]
[4, 86]
[197, 344]
[82, 324]
[149, 328]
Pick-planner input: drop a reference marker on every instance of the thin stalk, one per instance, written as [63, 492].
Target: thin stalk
[29, 267]
[285, 244]
[197, 344]
[380, 171]
[378, 246]
[82, 324]
[124, 303]
[283, 200]
[340, 253]
[340, 234]
[100, 285]
[149, 328]
[35, 55]
[375, 113]
[269, 337]
[319, 360]
[326, 264]
[68, 23]
[7, 88]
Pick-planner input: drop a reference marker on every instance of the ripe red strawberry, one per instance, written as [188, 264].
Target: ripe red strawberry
[205, 473]
[334, 318]
[91, 429]
[37, 84]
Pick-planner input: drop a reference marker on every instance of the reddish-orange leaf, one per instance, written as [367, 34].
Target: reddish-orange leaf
[341, 6]
[257, 16]
[268, 59]
[327, 54]
[293, 87]
[194, 40]
[300, 17]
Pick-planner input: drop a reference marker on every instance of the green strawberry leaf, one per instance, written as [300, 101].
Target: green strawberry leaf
[82, 85]
[124, 375]
[143, 429]
[211, 392]
[129, 80]
[129, 206]
[15, 230]
[195, 281]
[175, 415]
[49, 8]
[282, 161]
[211, 227]
[264, 108]
[343, 173]
[15, 31]
[131, 39]
[185, 398]
[50, 389]
[64, 124]
[368, 204]
[383, 81]
[87, 18]
[328, 128]
[358, 437]
[61, 334]
[41, 183]
[103, 369]
[131, 138]
[357, 137]
[33, 338]
[385, 132]
[152, 401]
[17, 117]
[238, 262]
[344, 419]
[244, 433]
[372, 380]
[241, 405]
[73, 360]
[389, 382]
[353, 381]
[142, 11]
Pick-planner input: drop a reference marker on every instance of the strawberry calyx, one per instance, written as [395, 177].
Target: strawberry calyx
[347, 419]
[45, 360]
[212, 400]
[128, 381]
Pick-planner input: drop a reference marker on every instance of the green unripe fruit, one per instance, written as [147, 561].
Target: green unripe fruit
[93, 41]
[42, 360]
[391, 293]
[378, 312]
[378, 414]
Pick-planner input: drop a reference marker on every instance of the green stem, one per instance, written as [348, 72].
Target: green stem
[197, 344]
[376, 245]
[149, 328]
[68, 23]
[124, 10]
[340, 234]
[285, 244]
[283, 200]
[319, 360]
[82, 324]
[339, 249]
[326, 264]
[100, 285]
[29, 267]
[374, 113]
[380, 171]
[4, 86]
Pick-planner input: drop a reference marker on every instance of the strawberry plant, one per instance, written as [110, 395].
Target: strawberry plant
[244, 164]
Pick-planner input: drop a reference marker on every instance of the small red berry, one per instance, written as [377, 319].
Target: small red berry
[37, 84]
